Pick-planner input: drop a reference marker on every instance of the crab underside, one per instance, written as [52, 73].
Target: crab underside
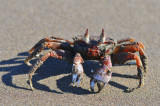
[106, 50]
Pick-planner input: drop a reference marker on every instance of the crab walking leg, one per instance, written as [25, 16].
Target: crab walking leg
[133, 47]
[125, 40]
[121, 58]
[59, 54]
[51, 39]
[52, 43]
[32, 55]
[32, 70]
[37, 45]
[143, 58]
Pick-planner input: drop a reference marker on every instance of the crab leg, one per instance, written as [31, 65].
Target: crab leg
[37, 45]
[133, 47]
[59, 54]
[51, 39]
[53, 43]
[124, 57]
[125, 40]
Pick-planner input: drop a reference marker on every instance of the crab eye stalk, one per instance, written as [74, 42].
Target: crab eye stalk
[86, 37]
[102, 37]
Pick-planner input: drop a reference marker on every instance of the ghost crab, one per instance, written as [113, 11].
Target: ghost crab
[90, 49]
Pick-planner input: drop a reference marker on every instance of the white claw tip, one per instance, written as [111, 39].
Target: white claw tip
[38, 55]
[29, 64]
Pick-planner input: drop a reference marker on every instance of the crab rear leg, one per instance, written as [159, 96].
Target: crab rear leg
[143, 59]
[59, 54]
[53, 43]
[121, 58]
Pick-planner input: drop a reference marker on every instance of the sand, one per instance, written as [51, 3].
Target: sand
[24, 22]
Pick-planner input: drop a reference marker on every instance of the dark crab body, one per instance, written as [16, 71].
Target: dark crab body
[90, 49]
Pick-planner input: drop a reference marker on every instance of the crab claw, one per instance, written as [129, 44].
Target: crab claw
[102, 76]
[77, 70]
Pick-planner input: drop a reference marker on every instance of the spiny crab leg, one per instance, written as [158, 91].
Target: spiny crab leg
[53, 43]
[59, 54]
[133, 47]
[124, 57]
[125, 40]
[51, 39]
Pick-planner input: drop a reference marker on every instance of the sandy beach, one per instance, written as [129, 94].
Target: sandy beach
[24, 22]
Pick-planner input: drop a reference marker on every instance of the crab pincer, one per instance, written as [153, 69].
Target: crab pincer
[77, 70]
[103, 75]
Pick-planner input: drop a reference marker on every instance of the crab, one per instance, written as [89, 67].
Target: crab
[91, 48]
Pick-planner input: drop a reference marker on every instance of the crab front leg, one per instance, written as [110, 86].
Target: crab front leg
[52, 42]
[102, 76]
[77, 69]
[123, 57]
[59, 54]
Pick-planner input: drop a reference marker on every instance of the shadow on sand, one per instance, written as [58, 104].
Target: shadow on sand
[51, 67]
